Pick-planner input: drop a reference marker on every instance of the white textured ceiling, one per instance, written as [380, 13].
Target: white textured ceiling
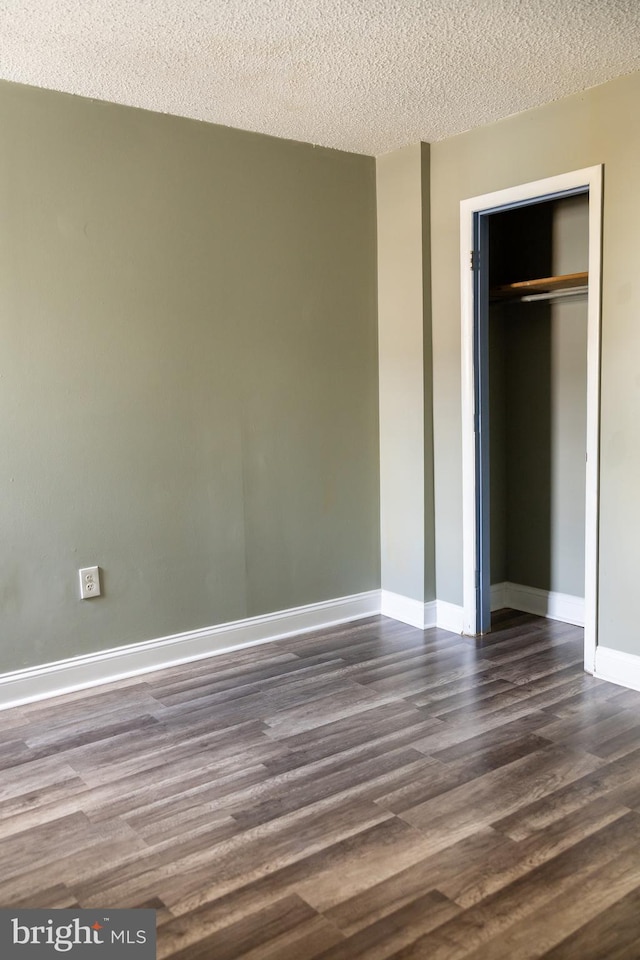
[360, 75]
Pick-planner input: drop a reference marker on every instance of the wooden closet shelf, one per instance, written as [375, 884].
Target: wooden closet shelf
[544, 285]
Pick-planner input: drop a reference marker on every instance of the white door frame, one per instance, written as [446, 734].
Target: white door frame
[591, 178]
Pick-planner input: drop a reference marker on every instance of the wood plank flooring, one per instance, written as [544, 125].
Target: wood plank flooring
[373, 791]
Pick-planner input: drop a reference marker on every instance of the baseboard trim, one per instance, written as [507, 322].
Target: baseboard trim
[450, 616]
[414, 612]
[542, 603]
[499, 596]
[404, 609]
[118, 663]
[431, 614]
[617, 667]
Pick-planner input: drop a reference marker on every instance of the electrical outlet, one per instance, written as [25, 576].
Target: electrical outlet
[89, 583]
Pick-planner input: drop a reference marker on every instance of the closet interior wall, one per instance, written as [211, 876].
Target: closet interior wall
[537, 395]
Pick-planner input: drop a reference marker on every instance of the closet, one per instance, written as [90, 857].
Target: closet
[538, 282]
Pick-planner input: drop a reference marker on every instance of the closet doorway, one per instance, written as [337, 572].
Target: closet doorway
[531, 259]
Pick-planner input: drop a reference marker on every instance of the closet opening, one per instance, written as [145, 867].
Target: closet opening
[530, 385]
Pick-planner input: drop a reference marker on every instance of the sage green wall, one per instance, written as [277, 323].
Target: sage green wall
[568, 406]
[427, 351]
[188, 374]
[601, 125]
[401, 370]
[404, 337]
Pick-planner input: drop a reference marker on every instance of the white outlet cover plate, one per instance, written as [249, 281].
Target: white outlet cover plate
[89, 583]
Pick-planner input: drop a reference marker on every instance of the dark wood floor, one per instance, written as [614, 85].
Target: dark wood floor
[372, 791]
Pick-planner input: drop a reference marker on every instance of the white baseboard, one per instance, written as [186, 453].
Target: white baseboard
[413, 612]
[617, 667]
[64, 676]
[436, 613]
[431, 614]
[450, 616]
[543, 603]
[77, 673]
[402, 608]
[499, 596]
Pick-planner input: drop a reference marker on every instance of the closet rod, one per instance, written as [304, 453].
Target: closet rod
[574, 292]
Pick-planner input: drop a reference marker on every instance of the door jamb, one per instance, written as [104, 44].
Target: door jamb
[590, 178]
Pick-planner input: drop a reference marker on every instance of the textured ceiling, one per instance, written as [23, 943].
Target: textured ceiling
[361, 75]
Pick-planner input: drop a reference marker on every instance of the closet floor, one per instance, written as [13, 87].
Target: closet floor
[369, 791]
